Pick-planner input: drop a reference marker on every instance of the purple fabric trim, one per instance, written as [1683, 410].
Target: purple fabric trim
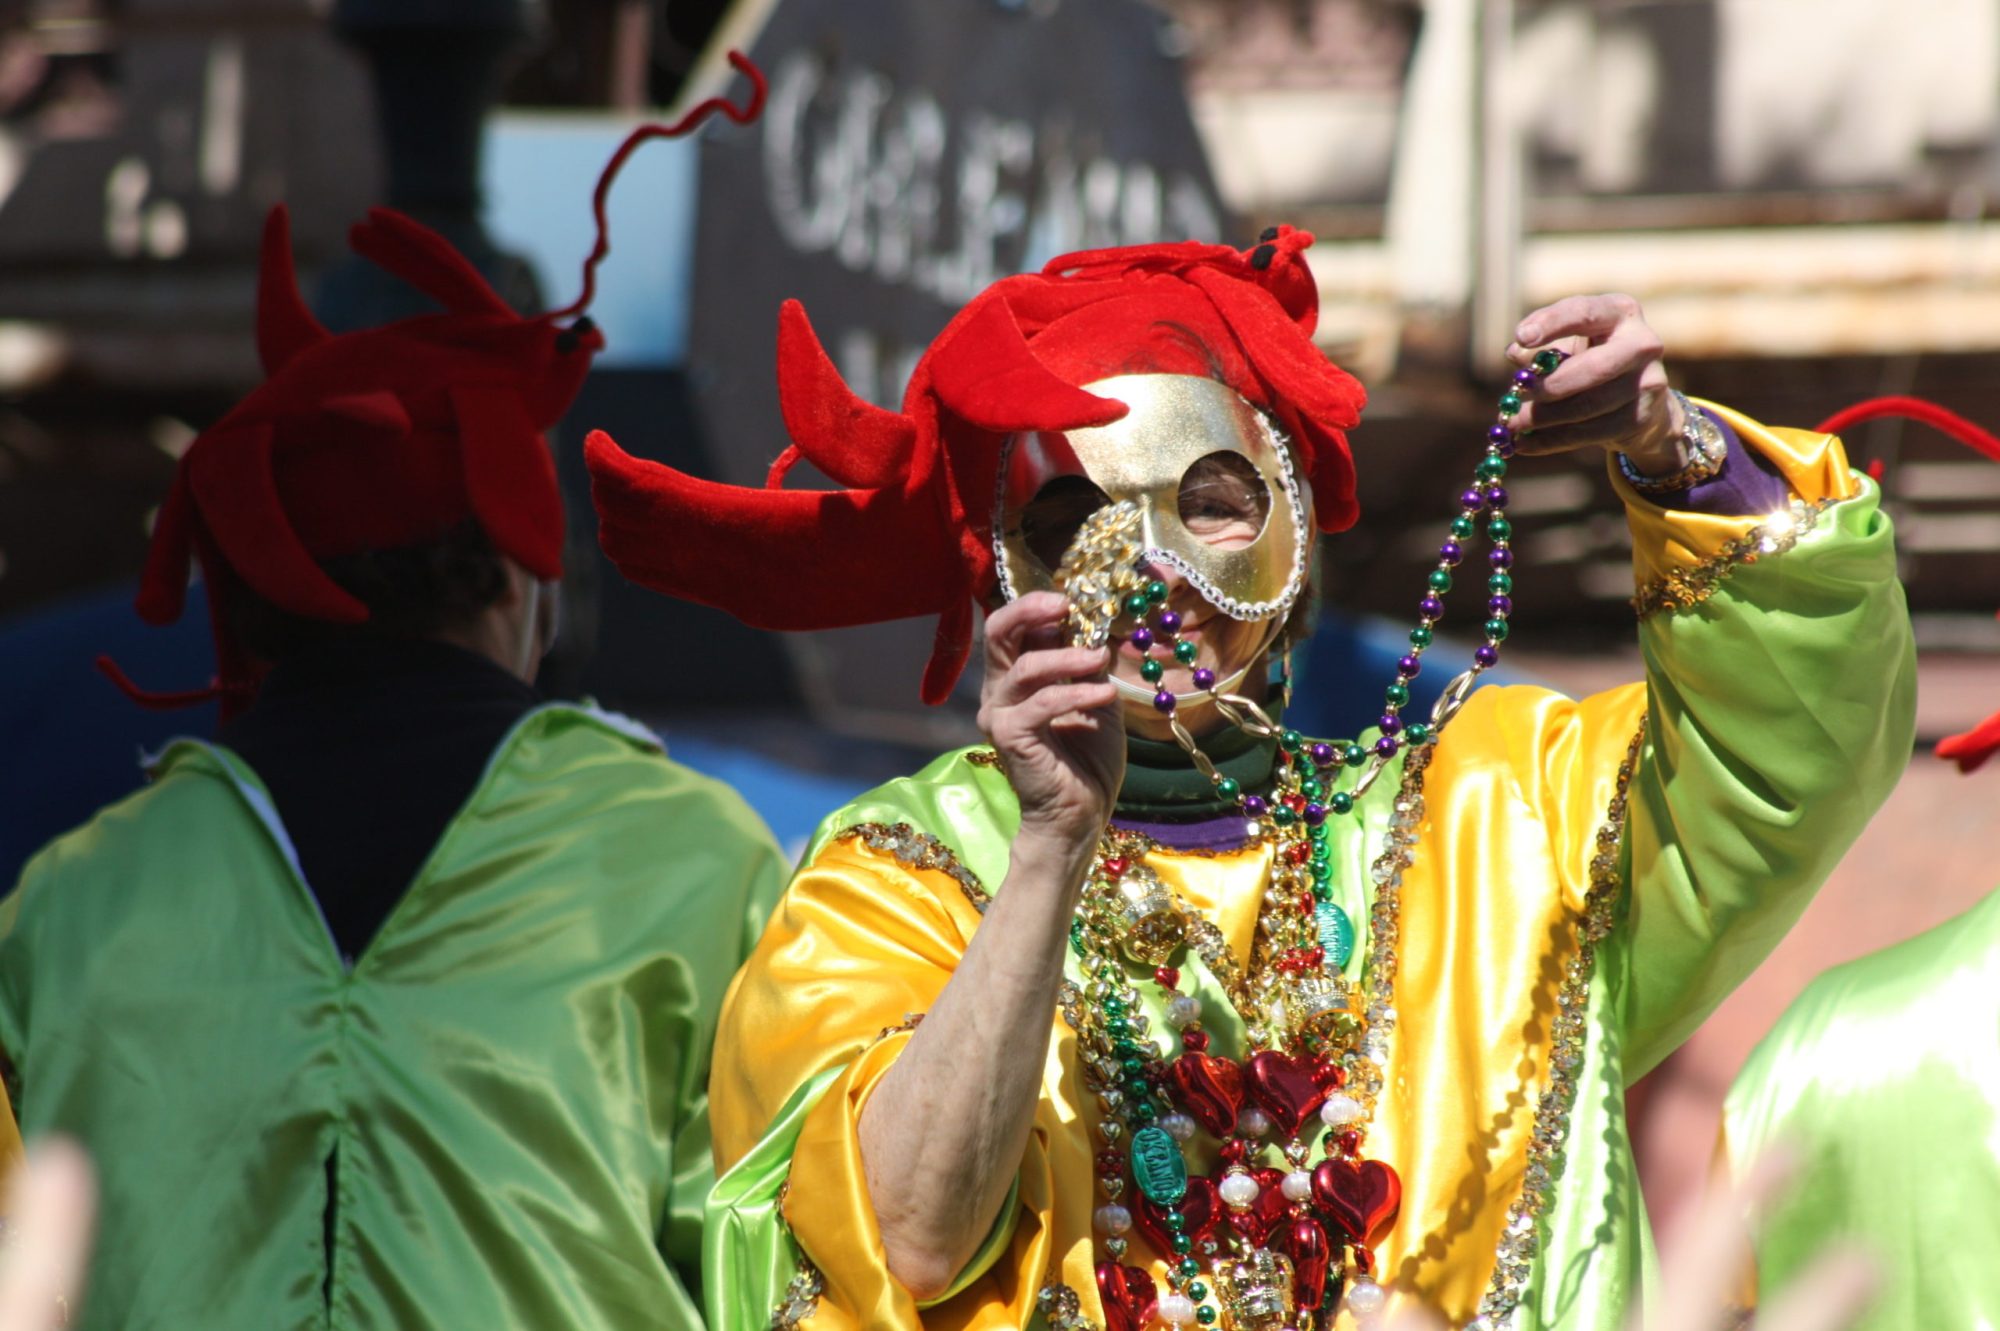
[1212, 834]
[1748, 484]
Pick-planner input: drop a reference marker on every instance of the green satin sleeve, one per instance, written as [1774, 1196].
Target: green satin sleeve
[1782, 712]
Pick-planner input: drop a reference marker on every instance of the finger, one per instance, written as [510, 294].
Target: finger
[1615, 429]
[1007, 626]
[54, 1204]
[1631, 348]
[1829, 1295]
[1059, 700]
[1588, 403]
[1709, 1248]
[1591, 317]
[1034, 671]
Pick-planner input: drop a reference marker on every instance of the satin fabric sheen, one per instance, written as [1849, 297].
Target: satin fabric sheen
[1781, 713]
[506, 1087]
[1884, 1080]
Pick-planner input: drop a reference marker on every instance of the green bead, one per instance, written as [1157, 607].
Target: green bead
[1205, 1314]
[1229, 787]
[1496, 630]
[1499, 529]
[1420, 636]
[1462, 527]
[1184, 652]
[1397, 695]
[1490, 468]
[1545, 361]
[1292, 740]
[1151, 670]
[1341, 801]
[1137, 604]
[1181, 1243]
[1354, 755]
[1416, 733]
[1510, 403]
[1176, 1221]
[1500, 584]
[1190, 1267]
[1312, 790]
[1197, 1291]
[1158, 1166]
[1156, 591]
[1336, 933]
[1283, 816]
[1439, 580]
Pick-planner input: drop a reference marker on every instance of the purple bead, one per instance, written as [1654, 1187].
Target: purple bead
[1169, 621]
[1500, 558]
[1256, 806]
[1499, 436]
[1449, 554]
[1486, 654]
[1389, 724]
[1524, 378]
[1499, 607]
[1409, 667]
[1387, 746]
[1323, 755]
[1314, 814]
[1431, 608]
[1474, 499]
[1496, 497]
[1142, 638]
[1204, 678]
[1164, 701]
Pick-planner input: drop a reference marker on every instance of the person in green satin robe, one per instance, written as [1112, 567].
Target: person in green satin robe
[393, 1007]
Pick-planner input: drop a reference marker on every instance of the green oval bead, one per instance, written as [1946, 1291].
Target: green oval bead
[1158, 1167]
[1354, 755]
[1416, 733]
[1336, 933]
[1420, 636]
[1439, 580]
[1496, 629]
[1397, 695]
[1184, 652]
[1341, 802]
[1500, 584]
[1137, 604]
[1462, 527]
[1229, 787]
[1499, 529]
[1156, 591]
[1151, 670]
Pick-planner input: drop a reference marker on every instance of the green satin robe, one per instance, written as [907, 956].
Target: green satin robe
[493, 1118]
[1884, 1077]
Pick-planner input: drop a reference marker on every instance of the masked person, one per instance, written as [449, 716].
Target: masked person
[1151, 1012]
[1883, 1079]
[394, 1006]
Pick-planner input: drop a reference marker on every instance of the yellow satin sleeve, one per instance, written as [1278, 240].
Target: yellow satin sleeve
[11, 1152]
[1666, 541]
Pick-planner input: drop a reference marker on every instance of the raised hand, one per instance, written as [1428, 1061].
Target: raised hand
[1053, 715]
[1612, 391]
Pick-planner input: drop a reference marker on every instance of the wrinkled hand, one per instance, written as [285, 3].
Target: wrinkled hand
[1053, 715]
[1612, 391]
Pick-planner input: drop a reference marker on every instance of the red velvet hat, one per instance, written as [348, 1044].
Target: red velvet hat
[909, 535]
[378, 439]
[1976, 745]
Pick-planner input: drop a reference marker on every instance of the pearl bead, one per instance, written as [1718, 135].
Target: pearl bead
[1176, 1309]
[1180, 1127]
[1239, 1191]
[1298, 1186]
[1365, 1298]
[1339, 1111]
[1183, 1010]
[1253, 1122]
[1113, 1219]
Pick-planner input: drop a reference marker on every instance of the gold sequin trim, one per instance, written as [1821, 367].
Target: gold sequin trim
[1520, 1239]
[1685, 588]
[986, 758]
[920, 850]
[801, 1297]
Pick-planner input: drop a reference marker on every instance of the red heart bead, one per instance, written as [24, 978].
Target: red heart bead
[1263, 1215]
[1289, 1089]
[1129, 1296]
[1201, 1210]
[1358, 1198]
[1305, 1242]
[1209, 1088]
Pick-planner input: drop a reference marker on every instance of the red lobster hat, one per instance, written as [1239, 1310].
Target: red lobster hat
[1976, 745]
[911, 532]
[378, 439]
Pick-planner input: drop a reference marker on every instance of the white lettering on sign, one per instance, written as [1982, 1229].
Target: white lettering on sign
[870, 173]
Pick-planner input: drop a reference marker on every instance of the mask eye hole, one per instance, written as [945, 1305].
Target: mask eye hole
[1223, 501]
[1050, 520]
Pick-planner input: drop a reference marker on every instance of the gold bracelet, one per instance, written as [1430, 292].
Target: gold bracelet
[1706, 449]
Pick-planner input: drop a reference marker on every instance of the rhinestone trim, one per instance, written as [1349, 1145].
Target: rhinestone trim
[1684, 589]
[920, 850]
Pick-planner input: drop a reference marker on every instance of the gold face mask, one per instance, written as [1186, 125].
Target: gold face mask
[1175, 421]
